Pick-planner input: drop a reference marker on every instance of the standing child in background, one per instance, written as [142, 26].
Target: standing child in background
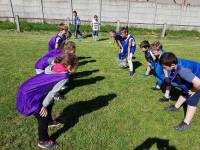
[48, 58]
[36, 96]
[57, 40]
[95, 24]
[128, 49]
[116, 36]
[186, 77]
[144, 46]
[77, 23]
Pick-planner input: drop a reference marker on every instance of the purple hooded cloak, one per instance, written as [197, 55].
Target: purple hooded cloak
[33, 91]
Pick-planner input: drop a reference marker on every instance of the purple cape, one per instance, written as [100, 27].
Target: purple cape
[52, 42]
[33, 91]
[43, 62]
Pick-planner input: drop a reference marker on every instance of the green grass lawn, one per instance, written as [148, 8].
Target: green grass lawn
[105, 109]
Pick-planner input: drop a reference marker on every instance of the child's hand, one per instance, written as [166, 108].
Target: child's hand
[43, 112]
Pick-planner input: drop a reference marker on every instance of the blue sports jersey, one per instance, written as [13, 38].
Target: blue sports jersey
[184, 74]
[148, 56]
[125, 44]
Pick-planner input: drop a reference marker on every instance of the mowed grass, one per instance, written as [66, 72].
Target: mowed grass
[104, 109]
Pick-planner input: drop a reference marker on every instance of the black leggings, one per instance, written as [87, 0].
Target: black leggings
[43, 124]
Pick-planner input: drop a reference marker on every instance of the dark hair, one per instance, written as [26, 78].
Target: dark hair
[167, 59]
[144, 44]
[113, 31]
[69, 47]
[68, 59]
[156, 46]
[62, 26]
[68, 35]
[74, 12]
[124, 29]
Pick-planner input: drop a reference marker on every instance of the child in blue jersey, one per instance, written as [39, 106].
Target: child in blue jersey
[144, 46]
[128, 48]
[186, 77]
[59, 38]
[118, 40]
[77, 23]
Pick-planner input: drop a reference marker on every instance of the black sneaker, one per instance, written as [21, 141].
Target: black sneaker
[155, 88]
[171, 108]
[54, 124]
[132, 73]
[47, 144]
[182, 126]
[164, 99]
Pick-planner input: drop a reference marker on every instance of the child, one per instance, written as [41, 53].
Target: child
[77, 23]
[129, 47]
[118, 40]
[144, 46]
[156, 50]
[95, 27]
[35, 96]
[56, 41]
[186, 76]
[47, 59]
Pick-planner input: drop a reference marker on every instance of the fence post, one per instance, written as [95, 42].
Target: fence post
[128, 12]
[72, 9]
[11, 5]
[118, 25]
[100, 10]
[17, 23]
[42, 11]
[164, 30]
[68, 21]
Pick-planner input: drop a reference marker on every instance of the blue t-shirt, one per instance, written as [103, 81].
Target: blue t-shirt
[185, 72]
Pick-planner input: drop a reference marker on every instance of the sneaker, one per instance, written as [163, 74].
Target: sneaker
[123, 67]
[132, 73]
[47, 144]
[155, 88]
[145, 75]
[54, 124]
[164, 99]
[182, 126]
[171, 108]
[58, 97]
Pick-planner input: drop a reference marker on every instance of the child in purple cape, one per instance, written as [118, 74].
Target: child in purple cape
[35, 96]
[56, 40]
[48, 58]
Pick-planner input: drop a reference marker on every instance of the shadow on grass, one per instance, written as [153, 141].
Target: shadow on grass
[86, 61]
[70, 115]
[136, 64]
[87, 35]
[103, 39]
[83, 74]
[83, 57]
[162, 144]
[83, 82]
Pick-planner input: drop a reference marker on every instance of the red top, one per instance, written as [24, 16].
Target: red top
[59, 68]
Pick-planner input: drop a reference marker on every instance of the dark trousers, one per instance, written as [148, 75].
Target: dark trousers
[77, 31]
[43, 124]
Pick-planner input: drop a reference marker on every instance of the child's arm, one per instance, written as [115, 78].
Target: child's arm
[152, 55]
[50, 96]
[196, 83]
[119, 46]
